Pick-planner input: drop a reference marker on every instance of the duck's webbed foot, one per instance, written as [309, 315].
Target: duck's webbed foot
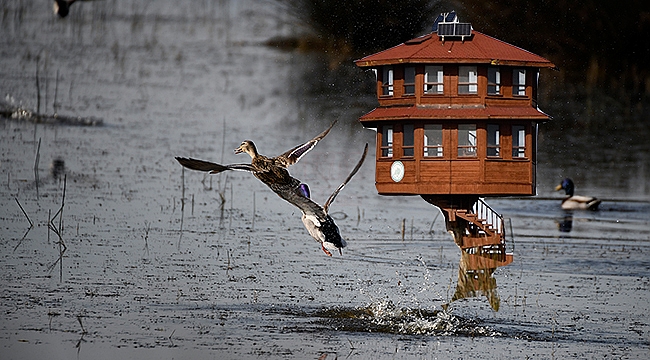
[326, 251]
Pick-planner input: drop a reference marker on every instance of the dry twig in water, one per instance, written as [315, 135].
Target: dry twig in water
[58, 231]
[31, 224]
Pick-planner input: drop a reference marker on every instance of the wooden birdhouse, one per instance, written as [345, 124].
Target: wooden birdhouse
[457, 117]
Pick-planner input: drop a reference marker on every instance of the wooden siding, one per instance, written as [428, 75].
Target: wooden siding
[452, 175]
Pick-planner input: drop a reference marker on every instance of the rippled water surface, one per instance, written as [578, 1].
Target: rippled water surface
[164, 263]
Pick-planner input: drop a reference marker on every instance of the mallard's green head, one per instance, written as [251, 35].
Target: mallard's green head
[567, 185]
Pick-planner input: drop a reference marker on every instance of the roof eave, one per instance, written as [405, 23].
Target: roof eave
[376, 63]
[370, 119]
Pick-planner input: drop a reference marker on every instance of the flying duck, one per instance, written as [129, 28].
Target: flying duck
[272, 171]
[576, 202]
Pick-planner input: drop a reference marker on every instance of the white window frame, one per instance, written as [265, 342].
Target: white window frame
[467, 80]
[494, 81]
[466, 140]
[433, 79]
[433, 148]
[518, 141]
[519, 82]
[493, 140]
[387, 81]
[387, 141]
[409, 83]
[408, 140]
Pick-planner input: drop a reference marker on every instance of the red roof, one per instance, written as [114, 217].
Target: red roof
[455, 113]
[479, 48]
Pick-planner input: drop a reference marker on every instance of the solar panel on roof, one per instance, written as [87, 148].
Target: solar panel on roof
[446, 29]
[439, 19]
[451, 17]
[454, 29]
[447, 24]
[463, 29]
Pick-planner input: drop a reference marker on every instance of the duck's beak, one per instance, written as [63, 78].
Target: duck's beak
[239, 150]
[558, 188]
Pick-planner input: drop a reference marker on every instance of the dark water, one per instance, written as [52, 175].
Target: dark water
[155, 268]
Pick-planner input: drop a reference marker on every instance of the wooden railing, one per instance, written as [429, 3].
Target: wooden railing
[489, 217]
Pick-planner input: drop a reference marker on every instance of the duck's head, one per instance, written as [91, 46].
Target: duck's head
[247, 147]
[567, 185]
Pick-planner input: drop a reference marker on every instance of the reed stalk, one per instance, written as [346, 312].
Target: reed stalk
[253, 223]
[56, 90]
[38, 89]
[31, 225]
[36, 161]
[58, 231]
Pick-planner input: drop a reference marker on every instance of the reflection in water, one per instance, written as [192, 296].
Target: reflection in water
[480, 233]
[57, 168]
[475, 270]
[566, 223]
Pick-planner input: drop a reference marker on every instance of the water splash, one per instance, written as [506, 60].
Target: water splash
[385, 317]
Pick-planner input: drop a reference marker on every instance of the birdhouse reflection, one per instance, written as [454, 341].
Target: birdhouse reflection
[475, 273]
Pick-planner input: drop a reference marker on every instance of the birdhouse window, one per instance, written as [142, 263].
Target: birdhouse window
[387, 81]
[433, 140]
[518, 141]
[467, 140]
[387, 141]
[409, 80]
[519, 82]
[433, 79]
[493, 140]
[408, 140]
[494, 81]
[467, 80]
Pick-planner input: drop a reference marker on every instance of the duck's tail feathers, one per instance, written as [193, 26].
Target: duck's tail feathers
[593, 204]
[330, 200]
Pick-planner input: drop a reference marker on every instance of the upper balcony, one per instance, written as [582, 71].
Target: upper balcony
[456, 84]
[471, 70]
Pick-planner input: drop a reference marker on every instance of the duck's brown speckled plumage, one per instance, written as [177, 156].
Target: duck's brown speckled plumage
[272, 171]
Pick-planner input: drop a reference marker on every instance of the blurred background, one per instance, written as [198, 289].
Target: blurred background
[599, 99]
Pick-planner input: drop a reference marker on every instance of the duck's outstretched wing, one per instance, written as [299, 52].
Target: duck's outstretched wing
[292, 156]
[212, 168]
[354, 171]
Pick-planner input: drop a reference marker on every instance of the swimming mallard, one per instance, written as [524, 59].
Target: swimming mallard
[576, 202]
[273, 173]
